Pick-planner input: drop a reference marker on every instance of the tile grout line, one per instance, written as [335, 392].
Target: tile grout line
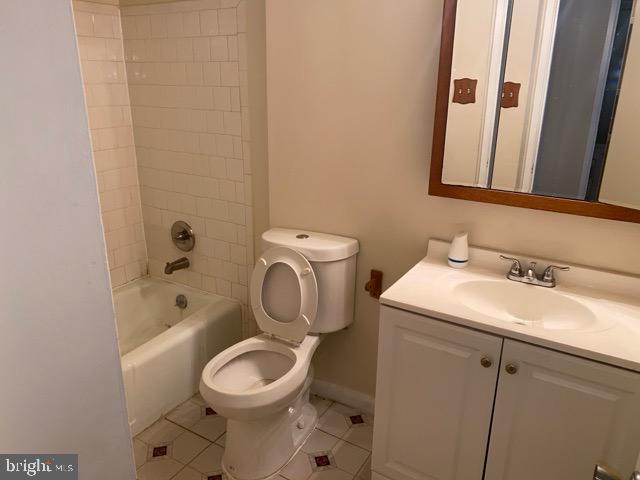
[196, 433]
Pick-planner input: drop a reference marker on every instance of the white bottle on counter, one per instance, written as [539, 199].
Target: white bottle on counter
[459, 251]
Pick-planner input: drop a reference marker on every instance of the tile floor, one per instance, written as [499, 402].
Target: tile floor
[187, 444]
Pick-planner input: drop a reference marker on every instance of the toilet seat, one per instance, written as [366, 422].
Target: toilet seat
[297, 329]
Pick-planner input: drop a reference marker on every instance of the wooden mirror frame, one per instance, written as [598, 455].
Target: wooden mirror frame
[477, 194]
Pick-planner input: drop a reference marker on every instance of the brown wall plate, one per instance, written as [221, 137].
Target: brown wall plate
[510, 94]
[464, 90]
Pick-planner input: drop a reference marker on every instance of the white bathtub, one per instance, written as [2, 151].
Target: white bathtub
[164, 348]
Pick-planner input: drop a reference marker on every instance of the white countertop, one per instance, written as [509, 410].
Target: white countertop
[427, 289]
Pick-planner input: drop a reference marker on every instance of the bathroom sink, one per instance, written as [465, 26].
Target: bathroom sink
[528, 305]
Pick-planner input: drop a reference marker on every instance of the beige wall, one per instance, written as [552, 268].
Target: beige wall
[621, 181]
[351, 89]
[107, 97]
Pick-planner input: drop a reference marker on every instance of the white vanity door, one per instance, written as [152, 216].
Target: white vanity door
[556, 416]
[434, 398]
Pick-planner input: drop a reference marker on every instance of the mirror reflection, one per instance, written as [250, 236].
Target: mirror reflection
[544, 99]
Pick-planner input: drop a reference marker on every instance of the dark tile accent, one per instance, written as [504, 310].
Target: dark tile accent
[159, 451]
[217, 476]
[322, 460]
[210, 411]
[356, 419]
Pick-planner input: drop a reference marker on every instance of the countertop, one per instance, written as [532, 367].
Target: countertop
[427, 289]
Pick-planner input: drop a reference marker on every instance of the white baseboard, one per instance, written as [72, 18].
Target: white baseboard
[345, 395]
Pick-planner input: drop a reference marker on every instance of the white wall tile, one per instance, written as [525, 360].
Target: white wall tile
[101, 49]
[191, 22]
[103, 26]
[142, 25]
[201, 49]
[188, 84]
[159, 26]
[227, 21]
[219, 49]
[84, 23]
[175, 26]
[229, 74]
[209, 22]
[241, 13]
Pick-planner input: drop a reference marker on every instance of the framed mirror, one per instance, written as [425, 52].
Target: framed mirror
[538, 106]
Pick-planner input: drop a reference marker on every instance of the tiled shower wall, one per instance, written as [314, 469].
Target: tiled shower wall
[187, 74]
[107, 97]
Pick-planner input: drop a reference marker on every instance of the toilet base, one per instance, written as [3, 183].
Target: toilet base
[258, 450]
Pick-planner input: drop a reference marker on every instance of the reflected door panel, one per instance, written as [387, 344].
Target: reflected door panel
[569, 133]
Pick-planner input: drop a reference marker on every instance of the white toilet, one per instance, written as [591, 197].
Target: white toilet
[302, 286]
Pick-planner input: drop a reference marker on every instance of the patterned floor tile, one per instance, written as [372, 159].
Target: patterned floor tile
[322, 461]
[187, 446]
[319, 441]
[334, 474]
[349, 424]
[160, 432]
[197, 398]
[209, 461]
[299, 468]
[188, 473]
[139, 452]
[348, 457]
[360, 435]
[163, 469]
[333, 422]
[210, 427]
[199, 418]
[365, 471]
[222, 439]
[179, 447]
[186, 414]
[321, 404]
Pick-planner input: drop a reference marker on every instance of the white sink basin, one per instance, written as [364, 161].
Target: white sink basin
[528, 305]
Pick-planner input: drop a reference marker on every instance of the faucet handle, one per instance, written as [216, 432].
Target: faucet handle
[548, 276]
[516, 267]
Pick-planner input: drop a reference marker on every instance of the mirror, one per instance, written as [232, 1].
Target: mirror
[542, 100]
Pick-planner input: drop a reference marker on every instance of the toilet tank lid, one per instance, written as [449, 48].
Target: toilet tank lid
[317, 247]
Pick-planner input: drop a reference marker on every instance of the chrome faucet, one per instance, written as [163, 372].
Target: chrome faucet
[603, 472]
[178, 264]
[530, 277]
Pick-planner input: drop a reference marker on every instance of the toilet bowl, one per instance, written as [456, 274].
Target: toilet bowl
[302, 286]
[257, 377]
[261, 386]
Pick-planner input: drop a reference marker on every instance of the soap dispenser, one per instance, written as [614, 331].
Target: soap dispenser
[459, 251]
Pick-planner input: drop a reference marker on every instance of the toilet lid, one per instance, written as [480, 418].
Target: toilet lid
[295, 329]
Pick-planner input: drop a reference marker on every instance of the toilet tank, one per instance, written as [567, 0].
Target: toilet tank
[333, 259]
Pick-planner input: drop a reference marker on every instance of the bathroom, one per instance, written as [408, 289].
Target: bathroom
[254, 122]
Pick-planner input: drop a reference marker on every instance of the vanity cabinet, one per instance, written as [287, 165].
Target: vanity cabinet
[557, 415]
[434, 398]
[450, 398]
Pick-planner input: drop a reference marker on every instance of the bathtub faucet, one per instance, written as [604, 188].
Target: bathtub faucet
[178, 264]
